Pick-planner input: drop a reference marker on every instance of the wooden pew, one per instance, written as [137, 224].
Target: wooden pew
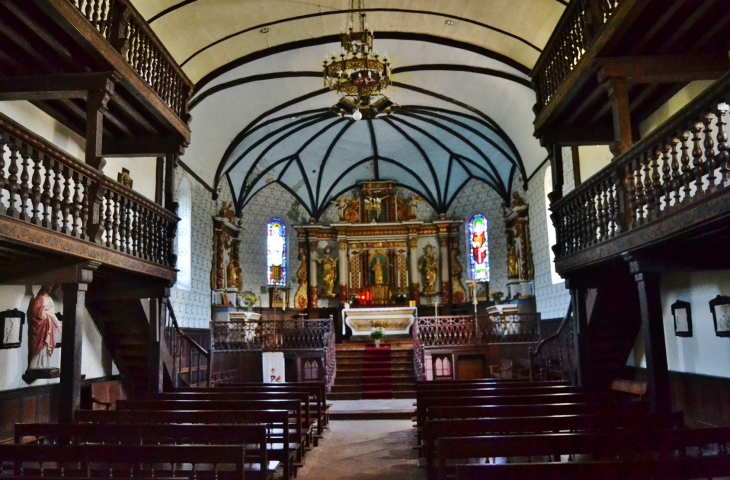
[294, 406]
[131, 461]
[279, 447]
[252, 437]
[615, 445]
[497, 382]
[637, 420]
[645, 469]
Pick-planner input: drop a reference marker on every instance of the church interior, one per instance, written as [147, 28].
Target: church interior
[364, 239]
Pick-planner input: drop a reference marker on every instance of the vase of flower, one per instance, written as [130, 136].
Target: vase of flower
[377, 335]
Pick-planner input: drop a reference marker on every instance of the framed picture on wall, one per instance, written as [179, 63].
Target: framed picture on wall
[12, 324]
[682, 313]
[720, 308]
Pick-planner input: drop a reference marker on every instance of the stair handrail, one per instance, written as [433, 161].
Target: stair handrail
[195, 345]
[547, 340]
[330, 357]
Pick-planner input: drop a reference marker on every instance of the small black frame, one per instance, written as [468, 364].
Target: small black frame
[683, 328]
[720, 308]
[11, 322]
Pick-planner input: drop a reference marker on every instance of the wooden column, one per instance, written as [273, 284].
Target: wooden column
[556, 166]
[580, 331]
[170, 166]
[159, 180]
[618, 95]
[96, 106]
[343, 267]
[652, 328]
[444, 270]
[158, 314]
[74, 301]
[313, 294]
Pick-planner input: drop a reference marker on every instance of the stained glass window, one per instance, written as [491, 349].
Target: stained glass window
[276, 252]
[479, 248]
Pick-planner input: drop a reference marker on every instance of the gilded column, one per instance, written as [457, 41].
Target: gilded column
[313, 273]
[300, 298]
[415, 284]
[444, 260]
[344, 275]
[458, 294]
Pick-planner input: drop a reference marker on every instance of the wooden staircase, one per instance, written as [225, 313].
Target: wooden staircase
[349, 380]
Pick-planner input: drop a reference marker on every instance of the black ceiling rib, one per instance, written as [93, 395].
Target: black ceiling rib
[285, 187]
[374, 143]
[448, 177]
[418, 147]
[380, 34]
[529, 179]
[247, 188]
[415, 177]
[499, 188]
[505, 137]
[327, 154]
[496, 178]
[512, 159]
[289, 126]
[242, 134]
[488, 124]
[448, 67]
[313, 203]
[252, 79]
[426, 38]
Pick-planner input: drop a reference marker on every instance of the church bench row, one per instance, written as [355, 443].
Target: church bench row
[616, 445]
[645, 469]
[122, 461]
[253, 438]
[637, 420]
[279, 445]
[299, 422]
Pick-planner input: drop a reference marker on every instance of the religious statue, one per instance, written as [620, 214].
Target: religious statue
[329, 273]
[341, 204]
[226, 211]
[413, 203]
[232, 275]
[44, 326]
[458, 294]
[378, 272]
[517, 201]
[429, 266]
[374, 205]
[513, 269]
[124, 178]
[300, 297]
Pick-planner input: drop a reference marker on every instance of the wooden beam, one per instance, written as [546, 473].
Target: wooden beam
[569, 136]
[131, 290]
[663, 68]
[142, 147]
[43, 271]
[576, 164]
[618, 95]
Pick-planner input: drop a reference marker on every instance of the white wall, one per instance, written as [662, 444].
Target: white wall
[592, 159]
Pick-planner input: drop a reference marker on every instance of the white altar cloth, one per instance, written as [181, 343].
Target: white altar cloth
[394, 320]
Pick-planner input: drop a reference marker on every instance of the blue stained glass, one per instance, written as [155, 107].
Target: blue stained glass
[479, 248]
[276, 253]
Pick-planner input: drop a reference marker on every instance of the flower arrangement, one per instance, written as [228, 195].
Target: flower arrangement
[377, 333]
[496, 296]
[249, 301]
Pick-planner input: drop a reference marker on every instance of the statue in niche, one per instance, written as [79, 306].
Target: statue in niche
[43, 334]
[227, 211]
[233, 277]
[429, 266]
[375, 206]
[378, 272]
[300, 297]
[124, 178]
[457, 289]
[517, 201]
[513, 269]
[329, 273]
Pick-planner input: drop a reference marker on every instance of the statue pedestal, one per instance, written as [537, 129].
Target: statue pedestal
[393, 320]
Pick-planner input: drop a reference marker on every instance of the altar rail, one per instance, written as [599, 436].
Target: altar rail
[674, 170]
[580, 23]
[128, 33]
[43, 186]
[272, 335]
[462, 330]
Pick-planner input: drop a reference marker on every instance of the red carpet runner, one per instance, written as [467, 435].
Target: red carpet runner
[377, 374]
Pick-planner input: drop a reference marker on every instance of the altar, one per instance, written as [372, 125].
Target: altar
[392, 320]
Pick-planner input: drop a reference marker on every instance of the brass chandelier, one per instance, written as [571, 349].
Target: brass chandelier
[358, 74]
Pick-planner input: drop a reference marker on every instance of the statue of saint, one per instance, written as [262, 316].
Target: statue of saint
[374, 205]
[378, 272]
[43, 329]
[232, 277]
[429, 266]
[513, 269]
[341, 204]
[329, 273]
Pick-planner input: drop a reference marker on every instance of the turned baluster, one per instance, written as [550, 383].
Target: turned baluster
[25, 153]
[595, 214]
[606, 210]
[89, 13]
[3, 142]
[615, 203]
[66, 203]
[590, 217]
[648, 189]
[676, 173]
[686, 169]
[709, 144]
[722, 145]
[85, 208]
[666, 185]
[13, 178]
[117, 241]
[656, 184]
[107, 218]
[123, 225]
[35, 190]
[56, 196]
[143, 232]
[698, 165]
[76, 205]
[46, 195]
[639, 189]
[160, 250]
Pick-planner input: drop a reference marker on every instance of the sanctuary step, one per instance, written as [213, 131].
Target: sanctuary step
[365, 372]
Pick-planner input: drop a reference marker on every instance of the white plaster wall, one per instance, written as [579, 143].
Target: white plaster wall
[592, 159]
[14, 361]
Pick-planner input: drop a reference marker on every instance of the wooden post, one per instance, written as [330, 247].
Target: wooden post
[170, 166]
[96, 106]
[160, 180]
[158, 313]
[556, 165]
[580, 332]
[74, 300]
[618, 95]
[652, 328]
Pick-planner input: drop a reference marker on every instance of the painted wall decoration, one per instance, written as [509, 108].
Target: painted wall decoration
[479, 248]
[276, 252]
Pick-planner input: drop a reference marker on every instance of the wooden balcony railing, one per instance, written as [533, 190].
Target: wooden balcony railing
[681, 165]
[462, 330]
[125, 29]
[45, 187]
[272, 335]
[582, 20]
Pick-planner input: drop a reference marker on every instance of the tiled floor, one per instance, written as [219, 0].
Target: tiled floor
[365, 450]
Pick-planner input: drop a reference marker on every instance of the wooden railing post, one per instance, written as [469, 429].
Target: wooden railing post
[119, 30]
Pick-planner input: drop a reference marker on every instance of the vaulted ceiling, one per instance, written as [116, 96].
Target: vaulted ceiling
[261, 112]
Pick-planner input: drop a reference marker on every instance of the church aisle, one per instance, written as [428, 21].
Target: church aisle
[364, 450]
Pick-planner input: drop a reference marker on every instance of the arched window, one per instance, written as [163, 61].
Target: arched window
[276, 252]
[311, 370]
[479, 248]
[552, 238]
[184, 235]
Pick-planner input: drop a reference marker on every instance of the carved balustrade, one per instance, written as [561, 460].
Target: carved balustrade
[509, 328]
[128, 32]
[330, 360]
[676, 167]
[446, 330]
[580, 23]
[418, 366]
[554, 358]
[461, 330]
[45, 187]
[272, 335]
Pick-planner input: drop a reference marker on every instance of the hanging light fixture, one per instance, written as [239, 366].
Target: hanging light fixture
[358, 73]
